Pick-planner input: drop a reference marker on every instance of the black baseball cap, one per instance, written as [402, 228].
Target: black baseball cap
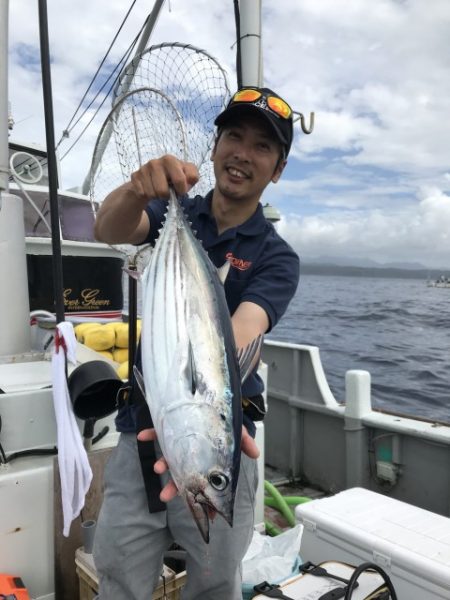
[266, 103]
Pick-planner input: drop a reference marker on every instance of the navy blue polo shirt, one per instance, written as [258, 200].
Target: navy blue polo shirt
[263, 267]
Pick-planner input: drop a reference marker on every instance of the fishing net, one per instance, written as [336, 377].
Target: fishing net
[143, 124]
[198, 87]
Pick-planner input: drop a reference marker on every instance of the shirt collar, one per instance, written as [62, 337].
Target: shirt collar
[254, 225]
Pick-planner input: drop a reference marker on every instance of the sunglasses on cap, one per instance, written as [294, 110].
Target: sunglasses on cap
[253, 96]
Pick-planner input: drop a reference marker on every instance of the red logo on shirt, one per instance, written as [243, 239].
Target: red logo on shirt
[238, 263]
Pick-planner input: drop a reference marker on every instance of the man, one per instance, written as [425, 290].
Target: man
[253, 140]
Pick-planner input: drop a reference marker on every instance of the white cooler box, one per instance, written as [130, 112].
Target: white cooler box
[411, 544]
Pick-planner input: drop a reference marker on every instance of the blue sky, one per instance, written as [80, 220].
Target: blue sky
[373, 180]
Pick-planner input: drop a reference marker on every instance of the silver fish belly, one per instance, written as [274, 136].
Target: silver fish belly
[190, 370]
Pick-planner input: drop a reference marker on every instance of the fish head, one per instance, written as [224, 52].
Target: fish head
[209, 495]
[207, 483]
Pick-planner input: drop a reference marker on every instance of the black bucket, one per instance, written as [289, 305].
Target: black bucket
[93, 388]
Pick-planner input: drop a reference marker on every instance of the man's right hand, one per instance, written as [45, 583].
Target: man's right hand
[152, 180]
[121, 218]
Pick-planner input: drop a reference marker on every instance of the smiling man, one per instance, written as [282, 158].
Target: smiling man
[254, 136]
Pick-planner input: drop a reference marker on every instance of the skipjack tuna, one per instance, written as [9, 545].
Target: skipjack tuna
[191, 372]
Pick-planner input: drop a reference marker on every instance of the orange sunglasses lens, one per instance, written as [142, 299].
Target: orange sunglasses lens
[246, 96]
[279, 106]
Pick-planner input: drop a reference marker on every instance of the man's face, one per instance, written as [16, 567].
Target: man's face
[246, 159]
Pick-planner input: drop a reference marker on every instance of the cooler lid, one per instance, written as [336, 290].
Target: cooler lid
[412, 537]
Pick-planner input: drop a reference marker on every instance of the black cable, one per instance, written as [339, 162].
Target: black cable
[96, 73]
[368, 566]
[102, 62]
[118, 68]
[3, 458]
[100, 435]
[33, 452]
[99, 106]
[122, 60]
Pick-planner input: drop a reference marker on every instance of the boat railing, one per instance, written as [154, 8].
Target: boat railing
[333, 446]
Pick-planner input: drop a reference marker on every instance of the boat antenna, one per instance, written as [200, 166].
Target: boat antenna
[237, 18]
[52, 165]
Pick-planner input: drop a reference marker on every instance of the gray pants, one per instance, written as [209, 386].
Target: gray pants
[130, 542]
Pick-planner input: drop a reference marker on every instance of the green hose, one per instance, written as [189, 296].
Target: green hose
[282, 503]
[271, 529]
[290, 500]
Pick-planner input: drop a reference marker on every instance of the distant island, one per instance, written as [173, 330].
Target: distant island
[313, 268]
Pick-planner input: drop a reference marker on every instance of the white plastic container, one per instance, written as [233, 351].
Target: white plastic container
[411, 544]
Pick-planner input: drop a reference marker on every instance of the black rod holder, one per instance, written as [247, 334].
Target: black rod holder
[132, 320]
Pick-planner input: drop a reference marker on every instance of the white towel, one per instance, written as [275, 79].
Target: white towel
[74, 469]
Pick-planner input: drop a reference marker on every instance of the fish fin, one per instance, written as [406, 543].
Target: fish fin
[183, 358]
[190, 370]
[139, 379]
[248, 357]
[223, 271]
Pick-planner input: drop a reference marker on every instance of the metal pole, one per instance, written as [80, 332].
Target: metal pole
[357, 406]
[14, 314]
[52, 165]
[251, 53]
[4, 11]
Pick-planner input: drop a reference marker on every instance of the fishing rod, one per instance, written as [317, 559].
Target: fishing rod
[58, 289]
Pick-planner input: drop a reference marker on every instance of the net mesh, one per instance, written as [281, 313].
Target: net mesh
[198, 87]
[143, 124]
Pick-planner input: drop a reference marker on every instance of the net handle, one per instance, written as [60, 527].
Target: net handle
[107, 129]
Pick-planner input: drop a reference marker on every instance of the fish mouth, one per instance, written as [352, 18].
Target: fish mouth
[203, 510]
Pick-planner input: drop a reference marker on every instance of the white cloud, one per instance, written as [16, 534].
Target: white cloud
[417, 232]
[340, 131]
[379, 85]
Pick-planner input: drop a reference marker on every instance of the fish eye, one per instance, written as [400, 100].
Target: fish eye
[219, 481]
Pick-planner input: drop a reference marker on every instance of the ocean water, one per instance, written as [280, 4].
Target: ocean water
[397, 329]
